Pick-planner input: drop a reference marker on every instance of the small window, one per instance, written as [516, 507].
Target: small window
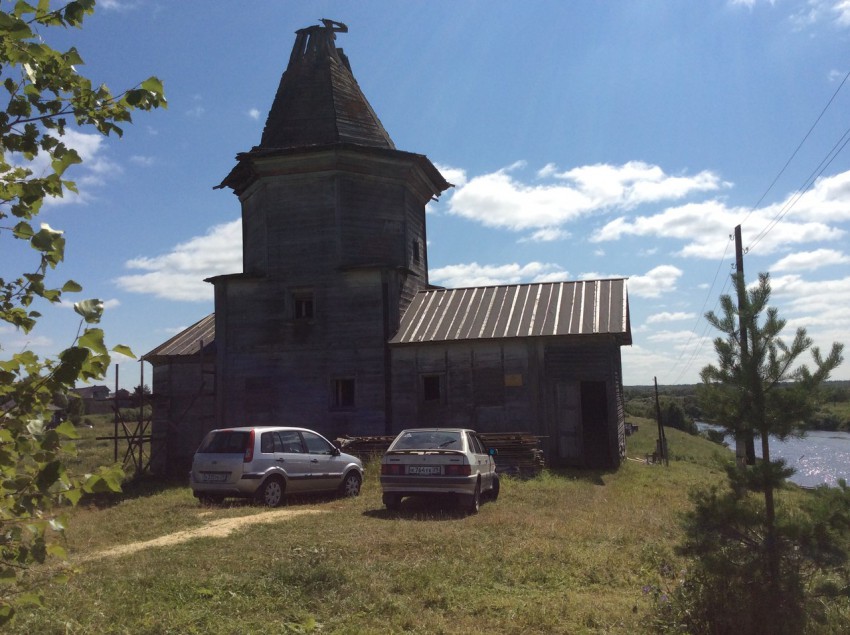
[288, 441]
[415, 251]
[303, 306]
[316, 444]
[431, 388]
[343, 393]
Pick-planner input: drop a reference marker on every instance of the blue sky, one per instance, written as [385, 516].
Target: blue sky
[585, 140]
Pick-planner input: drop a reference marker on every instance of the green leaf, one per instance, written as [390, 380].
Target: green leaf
[71, 287]
[68, 430]
[124, 350]
[91, 310]
[93, 340]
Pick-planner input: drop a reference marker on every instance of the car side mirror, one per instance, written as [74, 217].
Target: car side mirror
[492, 451]
[335, 451]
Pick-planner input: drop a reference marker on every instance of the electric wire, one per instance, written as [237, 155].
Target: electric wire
[807, 185]
[824, 164]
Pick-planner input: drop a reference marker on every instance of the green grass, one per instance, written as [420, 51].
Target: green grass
[566, 552]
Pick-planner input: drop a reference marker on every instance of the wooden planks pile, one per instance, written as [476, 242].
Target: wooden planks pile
[365, 448]
[518, 453]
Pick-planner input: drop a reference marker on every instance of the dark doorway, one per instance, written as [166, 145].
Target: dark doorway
[595, 428]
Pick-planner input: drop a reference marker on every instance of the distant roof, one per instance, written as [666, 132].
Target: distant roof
[581, 308]
[188, 342]
[318, 100]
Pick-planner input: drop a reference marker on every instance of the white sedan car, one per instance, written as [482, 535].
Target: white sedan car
[426, 461]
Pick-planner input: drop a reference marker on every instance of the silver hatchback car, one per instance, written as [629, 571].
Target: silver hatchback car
[266, 463]
[439, 461]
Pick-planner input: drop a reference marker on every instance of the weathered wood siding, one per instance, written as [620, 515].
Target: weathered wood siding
[183, 412]
[354, 243]
[513, 385]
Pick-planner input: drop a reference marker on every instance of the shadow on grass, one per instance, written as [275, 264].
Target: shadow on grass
[425, 508]
[139, 487]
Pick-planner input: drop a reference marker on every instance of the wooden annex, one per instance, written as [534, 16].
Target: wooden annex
[332, 323]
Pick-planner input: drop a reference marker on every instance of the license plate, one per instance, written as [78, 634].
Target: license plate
[424, 469]
[214, 477]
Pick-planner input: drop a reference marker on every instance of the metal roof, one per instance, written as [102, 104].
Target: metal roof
[188, 342]
[585, 307]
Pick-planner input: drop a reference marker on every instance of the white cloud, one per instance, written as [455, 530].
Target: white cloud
[254, 113]
[670, 317]
[142, 161]
[809, 260]
[655, 282]
[547, 234]
[705, 227]
[455, 176]
[475, 275]
[179, 275]
[500, 199]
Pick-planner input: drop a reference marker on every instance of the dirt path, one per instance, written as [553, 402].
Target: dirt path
[215, 529]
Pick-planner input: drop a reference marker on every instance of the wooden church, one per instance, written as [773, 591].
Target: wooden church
[333, 325]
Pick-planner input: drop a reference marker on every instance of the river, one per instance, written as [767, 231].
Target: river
[821, 457]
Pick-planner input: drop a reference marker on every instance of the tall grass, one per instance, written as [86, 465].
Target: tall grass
[566, 552]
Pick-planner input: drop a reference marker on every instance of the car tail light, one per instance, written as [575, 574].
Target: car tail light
[392, 468]
[249, 449]
[457, 470]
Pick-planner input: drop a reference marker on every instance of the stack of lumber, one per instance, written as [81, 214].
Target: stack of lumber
[365, 448]
[518, 453]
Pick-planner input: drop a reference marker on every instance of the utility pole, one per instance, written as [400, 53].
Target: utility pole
[745, 450]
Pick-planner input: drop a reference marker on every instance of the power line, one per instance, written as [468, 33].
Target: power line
[830, 157]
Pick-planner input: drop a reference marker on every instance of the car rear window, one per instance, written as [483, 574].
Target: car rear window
[428, 440]
[225, 442]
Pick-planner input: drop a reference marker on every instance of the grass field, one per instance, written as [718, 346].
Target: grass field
[566, 552]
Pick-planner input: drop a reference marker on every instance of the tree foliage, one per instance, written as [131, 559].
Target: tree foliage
[45, 96]
[762, 565]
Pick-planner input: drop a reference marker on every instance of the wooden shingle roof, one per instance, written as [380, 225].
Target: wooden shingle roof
[318, 101]
[579, 308]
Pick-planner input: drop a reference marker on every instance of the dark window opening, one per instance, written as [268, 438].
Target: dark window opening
[343, 393]
[303, 304]
[415, 251]
[431, 388]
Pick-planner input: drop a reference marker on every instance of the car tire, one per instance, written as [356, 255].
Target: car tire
[494, 491]
[474, 501]
[271, 492]
[392, 501]
[350, 485]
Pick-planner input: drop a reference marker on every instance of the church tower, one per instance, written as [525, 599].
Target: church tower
[334, 249]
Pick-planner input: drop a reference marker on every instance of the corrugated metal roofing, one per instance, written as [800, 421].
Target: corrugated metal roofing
[585, 307]
[187, 342]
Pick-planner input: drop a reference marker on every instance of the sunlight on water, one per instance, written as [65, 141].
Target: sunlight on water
[820, 457]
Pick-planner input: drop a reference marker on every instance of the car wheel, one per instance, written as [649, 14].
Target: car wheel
[475, 499]
[271, 492]
[350, 485]
[392, 501]
[494, 492]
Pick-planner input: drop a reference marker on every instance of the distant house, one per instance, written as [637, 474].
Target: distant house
[94, 393]
[333, 324]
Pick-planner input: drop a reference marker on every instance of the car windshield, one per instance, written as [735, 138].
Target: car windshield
[428, 440]
[224, 442]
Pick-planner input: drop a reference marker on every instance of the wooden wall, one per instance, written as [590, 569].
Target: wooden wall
[512, 386]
